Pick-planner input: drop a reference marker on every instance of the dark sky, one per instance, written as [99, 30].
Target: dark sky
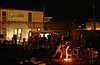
[60, 10]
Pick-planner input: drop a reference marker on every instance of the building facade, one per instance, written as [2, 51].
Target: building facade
[20, 22]
[90, 25]
[58, 27]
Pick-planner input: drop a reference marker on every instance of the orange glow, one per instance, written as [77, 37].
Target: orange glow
[88, 28]
[67, 59]
[97, 28]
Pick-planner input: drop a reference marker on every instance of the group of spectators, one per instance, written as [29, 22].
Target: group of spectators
[35, 43]
[36, 46]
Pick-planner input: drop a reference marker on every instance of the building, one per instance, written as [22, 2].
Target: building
[90, 25]
[58, 27]
[20, 22]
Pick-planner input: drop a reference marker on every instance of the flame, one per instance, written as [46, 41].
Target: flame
[67, 59]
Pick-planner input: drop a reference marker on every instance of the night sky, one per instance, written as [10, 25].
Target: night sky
[60, 10]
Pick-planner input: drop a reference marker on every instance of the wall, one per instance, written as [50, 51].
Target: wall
[19, 19]
[22, 15]
[38, 16]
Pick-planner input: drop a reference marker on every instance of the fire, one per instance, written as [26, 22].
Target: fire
[67, 59]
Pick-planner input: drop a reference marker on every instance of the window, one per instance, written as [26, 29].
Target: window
[30, 17]
[3, 16]
[4, 31]
[4, 13]
[18, 32]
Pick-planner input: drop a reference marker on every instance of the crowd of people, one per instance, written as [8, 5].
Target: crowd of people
[48, 46]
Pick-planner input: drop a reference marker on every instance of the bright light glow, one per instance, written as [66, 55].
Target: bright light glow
[79, 26]
[88, 28]
[46, 35]
[97, 28]
[67, 59]
[82, 24]
[41, 34]
[38, 29]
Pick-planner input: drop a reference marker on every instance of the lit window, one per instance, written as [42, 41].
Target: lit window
[18, 32]
[4, 31]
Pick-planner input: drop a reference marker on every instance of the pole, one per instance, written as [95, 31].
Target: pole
[93, 13]
[43, 17]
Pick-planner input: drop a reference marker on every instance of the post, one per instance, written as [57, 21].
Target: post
[43, 17]
[94, 14]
